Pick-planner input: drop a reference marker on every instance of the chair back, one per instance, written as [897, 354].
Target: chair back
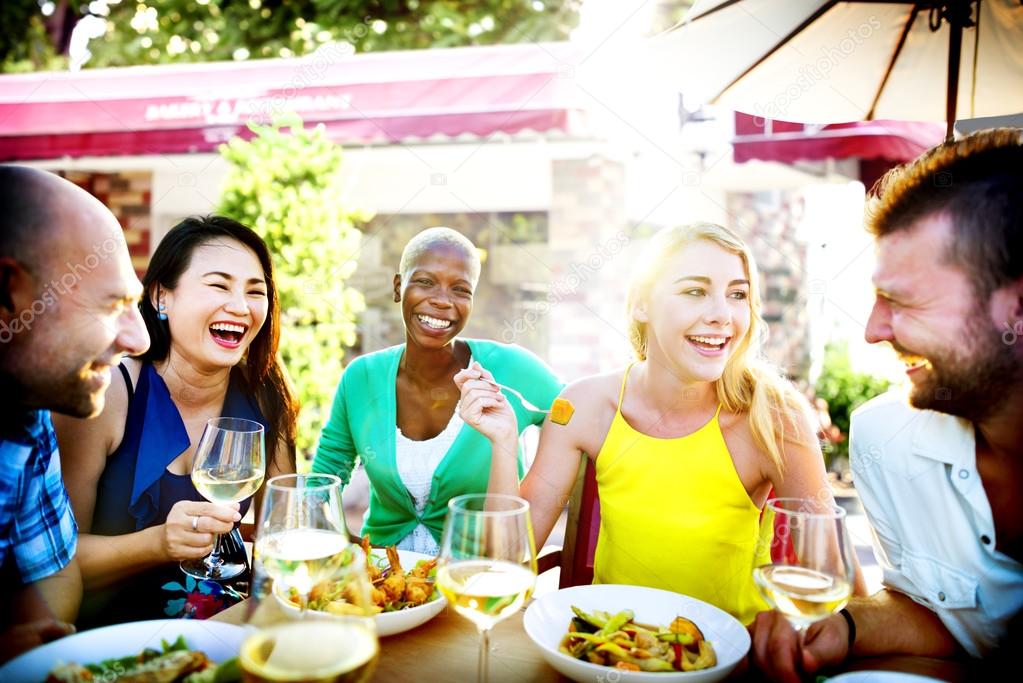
[582, 529]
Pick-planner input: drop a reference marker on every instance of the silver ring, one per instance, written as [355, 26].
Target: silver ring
[195, 523]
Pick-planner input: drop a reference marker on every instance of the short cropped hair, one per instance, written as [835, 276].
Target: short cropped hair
[978, 182]
[440, 235]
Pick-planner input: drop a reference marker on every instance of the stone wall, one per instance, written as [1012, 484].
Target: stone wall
[584, 301]
[769, 223]
[128, 195]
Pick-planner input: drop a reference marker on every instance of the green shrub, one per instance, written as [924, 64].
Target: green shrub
[845, 390]
[286, 184]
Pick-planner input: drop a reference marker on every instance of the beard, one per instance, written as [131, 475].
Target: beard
[972, 383]
[69, 395]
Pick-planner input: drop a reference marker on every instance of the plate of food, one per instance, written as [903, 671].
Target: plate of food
[404, 591]
[641, 634]
[179, 649]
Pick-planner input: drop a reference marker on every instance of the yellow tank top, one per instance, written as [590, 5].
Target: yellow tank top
[675, 515]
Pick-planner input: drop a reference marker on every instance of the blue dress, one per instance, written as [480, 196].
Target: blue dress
[136, 492]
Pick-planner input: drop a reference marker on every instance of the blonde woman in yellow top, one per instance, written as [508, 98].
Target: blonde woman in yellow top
[687, 441]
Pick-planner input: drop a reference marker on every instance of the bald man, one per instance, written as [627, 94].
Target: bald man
[68, 312]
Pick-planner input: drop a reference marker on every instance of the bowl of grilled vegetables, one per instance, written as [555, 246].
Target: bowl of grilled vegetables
[642, 634]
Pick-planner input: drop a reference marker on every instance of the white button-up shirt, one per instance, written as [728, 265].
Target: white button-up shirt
[916, 475]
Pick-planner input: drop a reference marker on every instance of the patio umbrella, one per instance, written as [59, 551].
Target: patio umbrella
[824, 61]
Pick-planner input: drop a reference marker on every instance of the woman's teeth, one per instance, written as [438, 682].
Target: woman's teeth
[435, 323]
[228, 331]
[714, 342]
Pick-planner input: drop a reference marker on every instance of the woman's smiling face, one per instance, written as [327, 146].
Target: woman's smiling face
[697, 311]
[219, 304]
[436, 295]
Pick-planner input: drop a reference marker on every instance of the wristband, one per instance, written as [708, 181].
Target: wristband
[852, 626]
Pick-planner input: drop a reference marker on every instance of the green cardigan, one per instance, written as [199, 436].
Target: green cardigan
[362, 428]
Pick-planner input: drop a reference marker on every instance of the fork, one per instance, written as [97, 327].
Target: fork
[525, 402]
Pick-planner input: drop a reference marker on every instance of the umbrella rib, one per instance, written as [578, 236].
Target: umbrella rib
[714, 10]
[777, 46]
[891, 62]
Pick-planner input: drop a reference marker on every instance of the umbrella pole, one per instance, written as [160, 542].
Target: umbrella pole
[957, 16]
[955, 44]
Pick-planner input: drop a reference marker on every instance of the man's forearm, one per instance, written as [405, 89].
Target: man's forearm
[61, 592]
[889, 622]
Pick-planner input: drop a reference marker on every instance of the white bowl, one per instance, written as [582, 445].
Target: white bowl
[218, 641]
[387, 623]
[546, 622]
[877, 676]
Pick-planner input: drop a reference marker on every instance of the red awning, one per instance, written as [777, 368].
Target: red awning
[375, 97]
[892, 141]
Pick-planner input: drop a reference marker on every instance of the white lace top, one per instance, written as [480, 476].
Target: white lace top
[416, 462]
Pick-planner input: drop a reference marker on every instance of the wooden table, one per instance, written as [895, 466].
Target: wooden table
[446, 649]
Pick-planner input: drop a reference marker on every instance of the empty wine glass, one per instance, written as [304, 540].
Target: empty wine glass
[228, 467]
[487, 563]
[302, 544]
[807, 570]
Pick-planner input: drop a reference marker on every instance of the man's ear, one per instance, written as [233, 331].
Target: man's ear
[17, 288]
[1006, 307]
[1017, 300]
[397, 287]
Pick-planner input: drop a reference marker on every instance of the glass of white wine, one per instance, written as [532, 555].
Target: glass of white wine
[487, 563]
[302, 544]
[805, 567]
[228, 467]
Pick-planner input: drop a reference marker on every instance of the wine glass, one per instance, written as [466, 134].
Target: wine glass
[302, 544]
[228, 467]
[807, 570]
[487, 563]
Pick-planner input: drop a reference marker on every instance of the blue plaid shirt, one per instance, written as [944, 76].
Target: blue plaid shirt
[37, 527]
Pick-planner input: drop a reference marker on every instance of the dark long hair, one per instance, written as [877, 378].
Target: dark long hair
[262, 370]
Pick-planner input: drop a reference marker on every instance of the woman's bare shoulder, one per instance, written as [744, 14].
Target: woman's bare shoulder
[594, 390]
[134, 368]
[738, 434]
[595, 400]
[98, 436]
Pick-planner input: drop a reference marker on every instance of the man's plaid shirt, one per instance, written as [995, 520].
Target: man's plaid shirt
[37, 526]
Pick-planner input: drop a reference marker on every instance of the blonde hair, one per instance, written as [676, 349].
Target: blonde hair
[748, 383]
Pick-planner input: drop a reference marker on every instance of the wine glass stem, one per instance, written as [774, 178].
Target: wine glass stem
[481, 669]
[213, 562]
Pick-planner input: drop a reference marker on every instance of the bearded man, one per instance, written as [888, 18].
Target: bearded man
[940, 472]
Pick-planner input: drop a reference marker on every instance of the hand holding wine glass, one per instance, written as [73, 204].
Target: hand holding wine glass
[182, 542]
[808, 570]
[228, 467]
[487, 565]
[302, 544]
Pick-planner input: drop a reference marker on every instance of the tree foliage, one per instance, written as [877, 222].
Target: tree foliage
[163, 31]
[26, 43]
[286, 184]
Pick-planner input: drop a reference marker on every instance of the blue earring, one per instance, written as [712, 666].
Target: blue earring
[161, 312]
